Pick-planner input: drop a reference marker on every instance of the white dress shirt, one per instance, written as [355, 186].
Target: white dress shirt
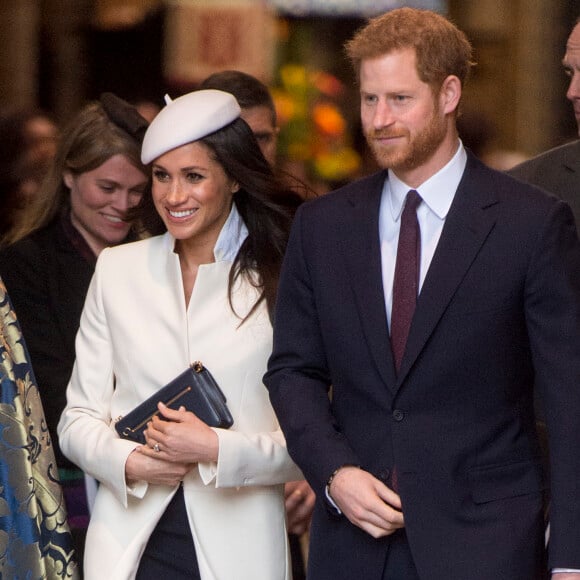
[437, 194]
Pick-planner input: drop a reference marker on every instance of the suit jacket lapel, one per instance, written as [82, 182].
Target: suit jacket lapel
[361, 250]
[469, 222]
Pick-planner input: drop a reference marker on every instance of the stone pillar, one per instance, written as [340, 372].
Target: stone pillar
[518, 82]
[538, 74]
[66, 23]
[19, 29]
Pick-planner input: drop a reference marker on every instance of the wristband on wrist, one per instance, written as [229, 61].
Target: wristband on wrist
[334, 473]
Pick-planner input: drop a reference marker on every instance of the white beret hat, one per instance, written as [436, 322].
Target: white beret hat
[187, 119]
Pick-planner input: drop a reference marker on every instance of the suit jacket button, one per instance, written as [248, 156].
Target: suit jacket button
[384, 475]
[398, 415]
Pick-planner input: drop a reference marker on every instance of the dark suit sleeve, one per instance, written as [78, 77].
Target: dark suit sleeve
[552, 307]
[298, 377]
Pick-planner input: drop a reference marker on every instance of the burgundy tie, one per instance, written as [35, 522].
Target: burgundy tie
[406, 282]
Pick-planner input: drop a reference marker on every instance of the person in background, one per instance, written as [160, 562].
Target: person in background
[147, 109]
[95, 178]
[194, 501]
[431, 295]
[35, 540]
[27, 148]
[257, 105]
[259, 112]
[558, 170]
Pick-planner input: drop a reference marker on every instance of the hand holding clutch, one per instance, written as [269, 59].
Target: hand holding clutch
[195, 389]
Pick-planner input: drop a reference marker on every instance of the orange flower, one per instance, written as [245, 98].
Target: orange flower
[284, 105]
[329, 119]
[313, 130]
[326, 83]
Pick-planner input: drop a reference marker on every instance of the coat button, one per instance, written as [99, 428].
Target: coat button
[398, 415]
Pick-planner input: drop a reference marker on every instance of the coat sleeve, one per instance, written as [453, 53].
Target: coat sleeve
[85, 429]
[250, 459]
[298, 377]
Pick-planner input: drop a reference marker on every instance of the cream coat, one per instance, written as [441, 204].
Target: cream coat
[135, 336]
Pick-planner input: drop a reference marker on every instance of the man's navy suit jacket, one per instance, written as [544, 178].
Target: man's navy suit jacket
[499, 310]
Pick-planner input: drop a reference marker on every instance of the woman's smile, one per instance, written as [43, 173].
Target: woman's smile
[181, 214]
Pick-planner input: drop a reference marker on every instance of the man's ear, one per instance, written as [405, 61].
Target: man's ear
[450, 94]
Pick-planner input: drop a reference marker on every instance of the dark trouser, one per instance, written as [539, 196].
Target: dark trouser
[298, 565]
[170, 552]
[399, 563]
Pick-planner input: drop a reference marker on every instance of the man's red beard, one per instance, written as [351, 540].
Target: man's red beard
[408, 152]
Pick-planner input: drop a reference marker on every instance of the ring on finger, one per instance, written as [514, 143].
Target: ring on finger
[156, 447]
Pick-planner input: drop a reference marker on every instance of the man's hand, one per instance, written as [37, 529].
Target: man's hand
[367, 502]
[299, 501]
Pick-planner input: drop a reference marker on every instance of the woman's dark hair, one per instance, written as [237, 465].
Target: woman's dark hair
[264, 200]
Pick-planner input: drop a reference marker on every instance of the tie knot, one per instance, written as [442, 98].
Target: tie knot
[412, 200]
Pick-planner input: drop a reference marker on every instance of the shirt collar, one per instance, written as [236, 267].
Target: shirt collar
[437, 192]
[231, 238]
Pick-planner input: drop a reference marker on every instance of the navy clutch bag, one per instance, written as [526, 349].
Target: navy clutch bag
[195, 389]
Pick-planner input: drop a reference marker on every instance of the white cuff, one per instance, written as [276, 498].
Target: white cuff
[331, 501]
